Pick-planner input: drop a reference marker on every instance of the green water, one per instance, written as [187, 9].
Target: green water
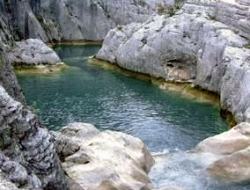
[109, 100]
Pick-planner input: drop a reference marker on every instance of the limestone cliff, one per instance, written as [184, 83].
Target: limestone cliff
[27, 153]
[206, 42]
[67, 20]
[8, 80]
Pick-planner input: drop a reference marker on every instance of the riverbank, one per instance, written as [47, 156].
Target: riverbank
[205, 41]
[111, 100]
[187, 89]
[200, 44]
[40, 69]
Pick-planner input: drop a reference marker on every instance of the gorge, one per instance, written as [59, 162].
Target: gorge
[205, 43]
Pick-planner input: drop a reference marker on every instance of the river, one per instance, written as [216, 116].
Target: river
[167, 122]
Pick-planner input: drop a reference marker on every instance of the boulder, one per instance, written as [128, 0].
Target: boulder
[237, 138]
[32, 52]
[233, 149]
[103, 160]
[234, 167]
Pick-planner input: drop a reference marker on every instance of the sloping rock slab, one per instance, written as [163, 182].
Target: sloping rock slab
[234, 147]
[103, 160]
[231, 141]
[32, 52]
[234, 167]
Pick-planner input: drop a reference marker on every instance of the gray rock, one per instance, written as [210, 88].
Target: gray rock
[66, 19]
[243, 2]
[90, 19]
[69, 20]
[32, 52]
[196, 44]
[28, 156]
[5, 184]
[8, 80]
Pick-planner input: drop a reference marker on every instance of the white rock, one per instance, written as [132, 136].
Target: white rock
[234, 167]
[32, 52]
[104, 160]
[231, 141]
[234, 147]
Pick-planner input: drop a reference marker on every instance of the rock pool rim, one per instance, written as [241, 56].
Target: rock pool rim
[185, 88]
[74, 42]
[40, 69]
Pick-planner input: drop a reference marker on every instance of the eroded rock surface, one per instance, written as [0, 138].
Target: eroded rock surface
[198, 44]
[8, 79]
[32, 52]
[27, 156]
[103, 160]
[63, 20]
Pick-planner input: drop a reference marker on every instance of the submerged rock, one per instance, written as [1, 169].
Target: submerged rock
[103, 160]
[32, 52]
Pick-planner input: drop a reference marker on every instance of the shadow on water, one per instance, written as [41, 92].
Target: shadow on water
[163, 120]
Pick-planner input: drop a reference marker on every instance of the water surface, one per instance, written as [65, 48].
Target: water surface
[109, 100]
[168, 123]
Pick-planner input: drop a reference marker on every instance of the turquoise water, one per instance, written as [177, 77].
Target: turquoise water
[168, 123]
[109, 100]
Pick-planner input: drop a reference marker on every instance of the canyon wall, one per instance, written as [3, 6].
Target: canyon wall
[69, 20]
[206, 43]
[27, 154]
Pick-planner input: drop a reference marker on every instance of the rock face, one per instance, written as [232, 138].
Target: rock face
[103, 160]
[71, 20]
[32, 52]
[8, 79]
[27, 154]
[62, 20]
[199, 44]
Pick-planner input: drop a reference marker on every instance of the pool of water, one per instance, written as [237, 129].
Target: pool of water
[89, 93]
[168, 123]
